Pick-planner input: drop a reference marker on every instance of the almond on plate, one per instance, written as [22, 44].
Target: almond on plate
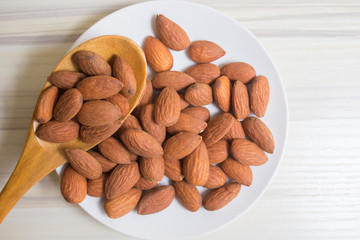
[130, 123]
[174, 79]
[73, 186]
[105, 163]
[219, 198]
[199, 112]
[167, 107]
[217, 128]
[152, 168]
[115, 151]
[123, 71]
[146, 184]
[96, 187]
[240, 101]
[222, 93]
[173, 169]
[181, 145]
[205, 51]
[91, 63]
[218, 152]
[247, 153]
[187, 123]
[259, 94]
[204, 73]
[238, 71]
[156, 200]
[188, 195]
[150, 126]
[157, 55]
[199, 94]
[83, 163]
[122, 205]
[45, 105]
[217, 178]
[238, 172]
[236, 131]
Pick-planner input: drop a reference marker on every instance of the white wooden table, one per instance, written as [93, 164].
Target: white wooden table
[316, 47]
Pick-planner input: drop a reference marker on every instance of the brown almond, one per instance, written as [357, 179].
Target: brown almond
[121, 180]
[188, 195]
[222, 93]
[187, 123]
[173, 169]
[181, 145]
[98, 113]
[152, 168]
[105, 163]
[130, 123]
[219, 198]
[58, 132]
[68, 105]
[157, 55]
[122, 205]
[174, 79]
[156, 200]
[240, 101]
[198, 112]
[236, 131]
[91, 63]
[183, 104]
[146, 184]
[204, 73]
[259, 133]
[146, 97]
[65, 79]
[98, 134]
[167, 107]
[238, 172]
[199, 94]
[150, 126]
[259, 94]
[205, 51]
[45, 105]
[171, 34]
[238, 71]
[218, 152]
[217, 178]
[99, 87]
[73, 186]
[124, 72]
[121, 102]
[217, 128]
[83, 163]
[96, 187]
[247, 153]
[113, 149]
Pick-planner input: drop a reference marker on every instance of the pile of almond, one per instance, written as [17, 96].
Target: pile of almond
[169, 133]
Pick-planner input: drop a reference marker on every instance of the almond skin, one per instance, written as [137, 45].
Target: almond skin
[73, 186]
[196, 166]
[65, 79]
[205, 51]
[259, 94]
[123, 71]
[45, 105]
[181, 145]
[188, 195]
[130, 123]
[98, 113]
[240, 101]
[113, 149]
[96, 187]
[174, 79]
[157, 55]
[219, 198]
[141, 143]
[167, 107]
[148, 122]
[91, 63]
[173, 169]
[122, 205]
[121, 180]
[83, 163]
[204, 73]
[105, 163]
[146, 184]
[217, 178]
[199, 94]
[218, 152]
[183, 104]
[238, 71]
[152, 168]
[68, 105]
[146, 97]
[58, 132]
[171, 34]
[222, 93]
[121, 102]
[259, 133]
[247, 153]
[99, 87]
[98, 134]
[217, 128]
[201, 113]
[236, 131]
[156, 200]
[187, 123]
[238, 172]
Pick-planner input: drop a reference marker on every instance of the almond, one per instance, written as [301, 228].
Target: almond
[121, 180]
[167, 107]
[45, 105]
[238, 71]
[148, 122]
[217, 178]
[181, 145]
[122, 205]
[141, 143]
[199, 94]
[58, 132]
[259, 133]
[173, 169]
[218, 152]
[157, 55]
[171, 34]
[105, 163]
[187, 123]
[219, 198]
[188, 195]
[146, 184]
[198, 112]
[156, 200]
[239, 173]
[121, 102]
[123, 71]
[259, 94]
[113, 149]
[96, 187]
[130, 123]
[152, 168]
[205, 51]
[196, 166]
[83, 163]
[65, 79]
[204, 73]
[236, 131]
[240, 101]
[146, 97]
[174, 79]
[91, 63]
[222, 93]
[98, 113]
[98, 134]
[183, 104]
[217, 128]
[68, 105]
[247, 153]
[99, 87]
[73, 186]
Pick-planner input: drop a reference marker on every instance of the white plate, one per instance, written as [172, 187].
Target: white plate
[201, 23]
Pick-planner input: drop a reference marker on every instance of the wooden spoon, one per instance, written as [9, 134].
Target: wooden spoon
[39, 157]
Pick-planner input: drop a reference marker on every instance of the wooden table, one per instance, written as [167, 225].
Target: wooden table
[316, 47]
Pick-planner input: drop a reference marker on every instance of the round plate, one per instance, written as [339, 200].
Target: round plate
[201, 23]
